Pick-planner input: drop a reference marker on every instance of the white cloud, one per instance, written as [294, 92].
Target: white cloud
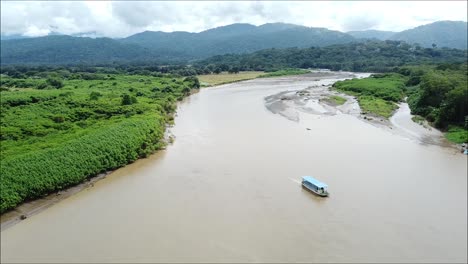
[120, 19]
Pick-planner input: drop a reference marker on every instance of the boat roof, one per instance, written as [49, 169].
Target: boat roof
[314, 182]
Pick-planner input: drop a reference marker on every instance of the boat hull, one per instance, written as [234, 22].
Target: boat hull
[314, 191]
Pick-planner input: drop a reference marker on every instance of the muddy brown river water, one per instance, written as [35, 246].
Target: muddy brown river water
[228, 189]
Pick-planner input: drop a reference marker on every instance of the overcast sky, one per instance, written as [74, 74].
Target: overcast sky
[120, 19]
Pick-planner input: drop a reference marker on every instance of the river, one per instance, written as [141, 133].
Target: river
[228, 190]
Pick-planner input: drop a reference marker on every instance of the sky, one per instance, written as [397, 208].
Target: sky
[123, 18]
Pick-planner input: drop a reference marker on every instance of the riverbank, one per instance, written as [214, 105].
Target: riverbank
[380, 94]
[208, 80]
[317, 100]
[80, 128]
[214, 184]
[30, 208]
[35, 206]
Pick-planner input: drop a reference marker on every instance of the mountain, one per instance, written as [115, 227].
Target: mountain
[371, 34]
[452, 34]
[70, 50]
[13, 36]
[162, 47]
[238, 38]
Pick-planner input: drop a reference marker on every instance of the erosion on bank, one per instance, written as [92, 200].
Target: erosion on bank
[439, 94]
[61, 128]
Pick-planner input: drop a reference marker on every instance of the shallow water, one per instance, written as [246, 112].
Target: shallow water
[228, 190]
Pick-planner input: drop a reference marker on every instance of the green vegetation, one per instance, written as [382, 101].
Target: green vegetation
[457, 134]
[376, 94]
[284, 72]
[389, 87]
[377, 106]
[438, 94]
[335, 100]
[370, 56]
[54, 136]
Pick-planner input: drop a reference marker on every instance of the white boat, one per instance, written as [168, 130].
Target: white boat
[315, 186]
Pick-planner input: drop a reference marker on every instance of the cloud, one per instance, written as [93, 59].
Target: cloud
[143, 14]
[121, 18]
[359, 23]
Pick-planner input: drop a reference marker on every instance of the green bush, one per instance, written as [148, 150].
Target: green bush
[389, 87]
[38, 173]
[51, 139]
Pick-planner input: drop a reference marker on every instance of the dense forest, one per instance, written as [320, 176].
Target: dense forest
[62, 127]
[371, 56]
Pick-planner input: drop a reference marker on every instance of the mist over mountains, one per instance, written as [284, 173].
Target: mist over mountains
[232, 39]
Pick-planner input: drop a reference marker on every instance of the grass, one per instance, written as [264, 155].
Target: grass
[389, 87]
[457, 134]
[377, 106]
[225, 77]
[377, 94]
[284, 72]
[335, 99]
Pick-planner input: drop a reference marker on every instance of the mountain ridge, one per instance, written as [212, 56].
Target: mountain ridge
[238, 38]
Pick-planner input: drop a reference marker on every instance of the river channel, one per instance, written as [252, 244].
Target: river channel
[228, 189]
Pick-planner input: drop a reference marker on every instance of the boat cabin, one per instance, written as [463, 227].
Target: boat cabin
[315, 186]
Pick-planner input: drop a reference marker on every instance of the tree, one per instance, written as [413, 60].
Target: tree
[128, 100]
[55, 82]
[94, 95]
[194, 80]
[454, 108]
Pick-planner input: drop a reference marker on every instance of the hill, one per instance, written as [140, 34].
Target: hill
[65, 50]
[74, 50]
[451, 34]
[238, 38]
[372, 34]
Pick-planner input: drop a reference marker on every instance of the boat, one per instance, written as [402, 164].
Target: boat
[315, 186]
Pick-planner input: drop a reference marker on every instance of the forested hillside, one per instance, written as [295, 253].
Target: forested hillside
[452, 34]
[374, 56]
[183, 47]
[372, 34]
[239, 38]
[70, 50]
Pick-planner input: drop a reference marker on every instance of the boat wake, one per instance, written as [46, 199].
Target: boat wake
[296, 181]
